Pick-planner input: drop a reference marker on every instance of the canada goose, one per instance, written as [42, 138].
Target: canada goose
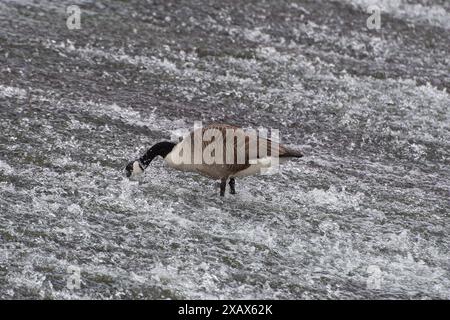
[217, 151]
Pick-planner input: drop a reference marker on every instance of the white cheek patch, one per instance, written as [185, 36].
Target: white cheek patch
[137, 168]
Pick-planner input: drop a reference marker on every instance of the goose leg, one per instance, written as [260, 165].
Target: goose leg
[232, 185]
[223, 185]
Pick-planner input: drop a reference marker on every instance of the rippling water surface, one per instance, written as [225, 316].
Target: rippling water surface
[365, 214]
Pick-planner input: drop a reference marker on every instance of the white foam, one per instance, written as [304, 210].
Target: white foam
[6, 168]
[433, 14]
[9, 92]
[117, 55]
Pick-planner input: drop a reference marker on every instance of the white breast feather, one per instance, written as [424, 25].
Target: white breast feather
[256, 167]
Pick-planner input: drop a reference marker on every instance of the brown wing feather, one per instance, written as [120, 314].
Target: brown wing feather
[265, 147]
[227, 168]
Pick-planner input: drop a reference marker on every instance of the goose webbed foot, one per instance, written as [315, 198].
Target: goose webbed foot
[232, 184]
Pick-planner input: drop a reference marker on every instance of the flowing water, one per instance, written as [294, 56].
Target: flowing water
[365, 214]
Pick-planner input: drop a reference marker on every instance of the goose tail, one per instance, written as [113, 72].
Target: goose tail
[291, 153]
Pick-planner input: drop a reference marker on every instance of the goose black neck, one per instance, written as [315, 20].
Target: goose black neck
[160, 149]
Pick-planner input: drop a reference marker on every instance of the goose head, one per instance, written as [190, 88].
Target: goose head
[138, 166]
[134, 168]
